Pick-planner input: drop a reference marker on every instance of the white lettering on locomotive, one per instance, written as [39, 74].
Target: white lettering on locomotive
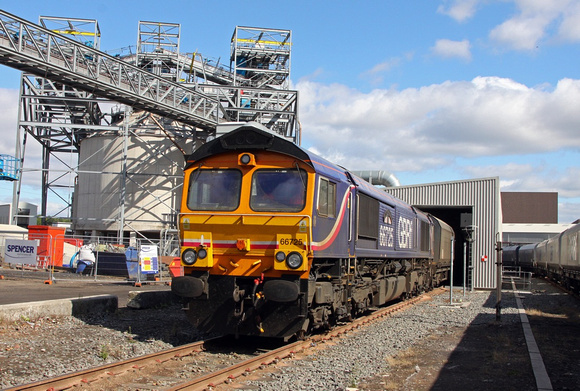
[386, 236]
[405, 228]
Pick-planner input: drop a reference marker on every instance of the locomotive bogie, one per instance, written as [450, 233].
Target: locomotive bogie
[229, 308]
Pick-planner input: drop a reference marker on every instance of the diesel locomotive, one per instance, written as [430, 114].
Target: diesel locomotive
[557, 258]
[278, 242]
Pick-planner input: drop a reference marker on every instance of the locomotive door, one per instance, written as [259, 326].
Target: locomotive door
[332, 233]
[351, 220]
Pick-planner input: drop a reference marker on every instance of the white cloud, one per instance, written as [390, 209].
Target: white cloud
[534, 21]
[520, 33]
[510, 173]
[448, 49]
[8, 120]
[430, 127]
[569, 29]
[376, 74]
[460, 10]
[568, 212]
[539, 176]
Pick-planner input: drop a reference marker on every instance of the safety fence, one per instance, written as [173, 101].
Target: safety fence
[522, 279]
[90, 258]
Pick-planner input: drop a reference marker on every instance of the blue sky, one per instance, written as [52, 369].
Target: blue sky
[429, 90]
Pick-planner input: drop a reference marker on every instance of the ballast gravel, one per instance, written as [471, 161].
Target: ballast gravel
[35, 349]
[363, 354]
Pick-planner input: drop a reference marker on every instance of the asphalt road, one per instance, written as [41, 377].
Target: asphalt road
[20, 286]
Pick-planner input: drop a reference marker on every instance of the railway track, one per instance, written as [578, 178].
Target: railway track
[106, 376]
[93, 375]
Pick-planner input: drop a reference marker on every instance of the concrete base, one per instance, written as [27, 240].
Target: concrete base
[150, 299]
[59, 307]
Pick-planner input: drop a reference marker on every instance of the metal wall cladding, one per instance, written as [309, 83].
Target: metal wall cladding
[483, 197]
[153, 182]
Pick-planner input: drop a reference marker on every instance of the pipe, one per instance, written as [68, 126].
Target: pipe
[375, 177]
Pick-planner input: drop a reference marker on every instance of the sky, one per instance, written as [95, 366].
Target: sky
[430, 90]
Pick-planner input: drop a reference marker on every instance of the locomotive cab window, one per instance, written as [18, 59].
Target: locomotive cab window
[278, 190]
[326, 198]
[211, 189]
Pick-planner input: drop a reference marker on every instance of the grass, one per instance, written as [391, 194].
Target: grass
[104, 353]
[537, 312]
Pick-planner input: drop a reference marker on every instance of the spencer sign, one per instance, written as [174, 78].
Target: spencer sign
[20, 251]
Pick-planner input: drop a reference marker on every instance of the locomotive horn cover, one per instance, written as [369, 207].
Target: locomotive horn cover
[187, 286]
[280, 291]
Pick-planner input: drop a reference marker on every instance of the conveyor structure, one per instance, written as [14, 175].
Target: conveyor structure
[37, 50]
[67, 80]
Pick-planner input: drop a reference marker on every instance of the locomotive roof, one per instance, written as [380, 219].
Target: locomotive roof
[248, 138]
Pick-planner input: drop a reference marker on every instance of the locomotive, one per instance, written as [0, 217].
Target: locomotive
[557, 258]
[278, 242]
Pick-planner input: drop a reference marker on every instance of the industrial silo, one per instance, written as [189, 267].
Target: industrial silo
[137, 184]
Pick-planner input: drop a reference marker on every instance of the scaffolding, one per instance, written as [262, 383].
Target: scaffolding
[158, 49]
[67, 82]
[261, 57]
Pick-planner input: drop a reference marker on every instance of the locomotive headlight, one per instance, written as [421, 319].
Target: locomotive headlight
[245, 158]
[189, 256]
[280, 256]
[293, 260]
[202, 253]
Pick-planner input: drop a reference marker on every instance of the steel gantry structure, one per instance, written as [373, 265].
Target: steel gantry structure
[67, 80]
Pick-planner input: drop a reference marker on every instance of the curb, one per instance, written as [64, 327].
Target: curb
[63, 307]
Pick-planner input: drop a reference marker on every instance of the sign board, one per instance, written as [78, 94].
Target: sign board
[149, 260]
[20, 251]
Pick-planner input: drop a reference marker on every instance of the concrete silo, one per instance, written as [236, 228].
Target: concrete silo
[137, 185]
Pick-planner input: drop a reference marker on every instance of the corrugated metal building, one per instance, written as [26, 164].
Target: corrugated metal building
[475, 203]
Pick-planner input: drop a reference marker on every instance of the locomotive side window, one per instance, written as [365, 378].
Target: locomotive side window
[214, 190]
[326, 198]
[368, 218]
[425, 236]
[276, 190]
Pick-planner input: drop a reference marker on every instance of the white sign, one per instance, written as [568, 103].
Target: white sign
[148, 260]
[20, 251]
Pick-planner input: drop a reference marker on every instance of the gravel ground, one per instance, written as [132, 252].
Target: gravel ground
[364, 354]
[33, 349]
